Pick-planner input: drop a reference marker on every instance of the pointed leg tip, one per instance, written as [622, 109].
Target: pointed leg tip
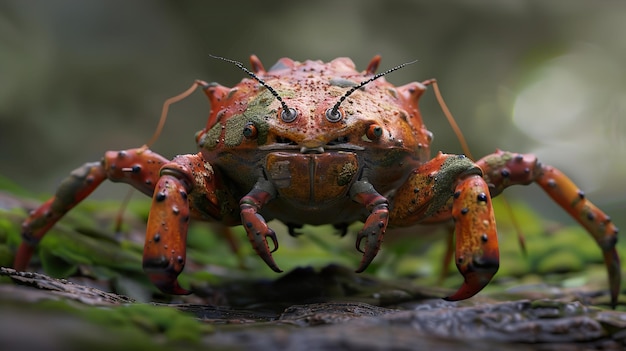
[365, 262]
[267, 257]
[23, 256]
[476, 278]
[371, 250]
[464, 293]
[276, 269]
[168, 284]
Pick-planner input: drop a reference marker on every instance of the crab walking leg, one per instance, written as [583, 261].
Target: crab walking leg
[477, 255]
[376, 223]
[255, 225]
[137, 167]
[166, 233]
[452, 185]
[503, 169]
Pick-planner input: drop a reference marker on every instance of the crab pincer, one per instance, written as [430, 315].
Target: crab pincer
[166, 235]
[258, 232]
[373, 232]
[255, 224]
[376, 223]
[477, 254]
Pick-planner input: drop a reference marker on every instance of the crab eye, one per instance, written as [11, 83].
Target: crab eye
[374, 132]
[333, 115]
[249, 130]
[288, 115]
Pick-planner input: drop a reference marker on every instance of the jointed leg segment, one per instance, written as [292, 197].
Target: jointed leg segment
[503, 169]
[138, 167]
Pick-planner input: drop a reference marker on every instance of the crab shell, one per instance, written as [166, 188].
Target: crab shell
[311, 159]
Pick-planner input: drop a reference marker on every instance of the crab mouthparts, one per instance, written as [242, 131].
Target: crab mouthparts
[312, 150]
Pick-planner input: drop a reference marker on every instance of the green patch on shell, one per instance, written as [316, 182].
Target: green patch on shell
[447, 176]
[256, 112]
[233, 135]
[346, 174]
[211, 138]
[342, 83]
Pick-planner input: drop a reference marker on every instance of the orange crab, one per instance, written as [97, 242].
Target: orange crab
[320, 143]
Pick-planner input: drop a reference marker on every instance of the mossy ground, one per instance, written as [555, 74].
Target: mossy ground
[85, 248]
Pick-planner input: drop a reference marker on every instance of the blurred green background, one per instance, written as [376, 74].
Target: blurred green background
[78, 78]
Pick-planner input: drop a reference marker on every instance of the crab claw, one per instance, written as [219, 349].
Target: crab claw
[258, 232]
[164, 252]
[373, 232]
[477, 254]
[477, 275]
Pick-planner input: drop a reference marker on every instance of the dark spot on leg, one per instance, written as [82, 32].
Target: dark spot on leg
[590, 216]
[183, 194]
[484, 237]
[464, 210]
[551, 183]
[157, 263]
[136, 169]
[505, 173]
[180, 259]
[157, 237]
[415, 190]
[160, 196]
[482, 197]
[519, 158]
[122, 154]
[457, 194]
[581, 194]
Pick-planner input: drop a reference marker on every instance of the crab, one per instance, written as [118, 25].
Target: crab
[320, 143]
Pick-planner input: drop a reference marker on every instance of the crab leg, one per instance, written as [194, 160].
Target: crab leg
[453, 185]
[255, 225]
[137, 167]
[166, 233]
[503, 169]
[375, 224]
[185, 181]
[477, 255]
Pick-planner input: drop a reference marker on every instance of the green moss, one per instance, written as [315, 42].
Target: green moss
[559, 262]
[134, 326]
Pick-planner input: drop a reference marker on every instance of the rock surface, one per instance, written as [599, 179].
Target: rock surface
[403, 321]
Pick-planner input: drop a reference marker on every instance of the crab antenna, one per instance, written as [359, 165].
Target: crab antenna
[255, 77]
[335, 108]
